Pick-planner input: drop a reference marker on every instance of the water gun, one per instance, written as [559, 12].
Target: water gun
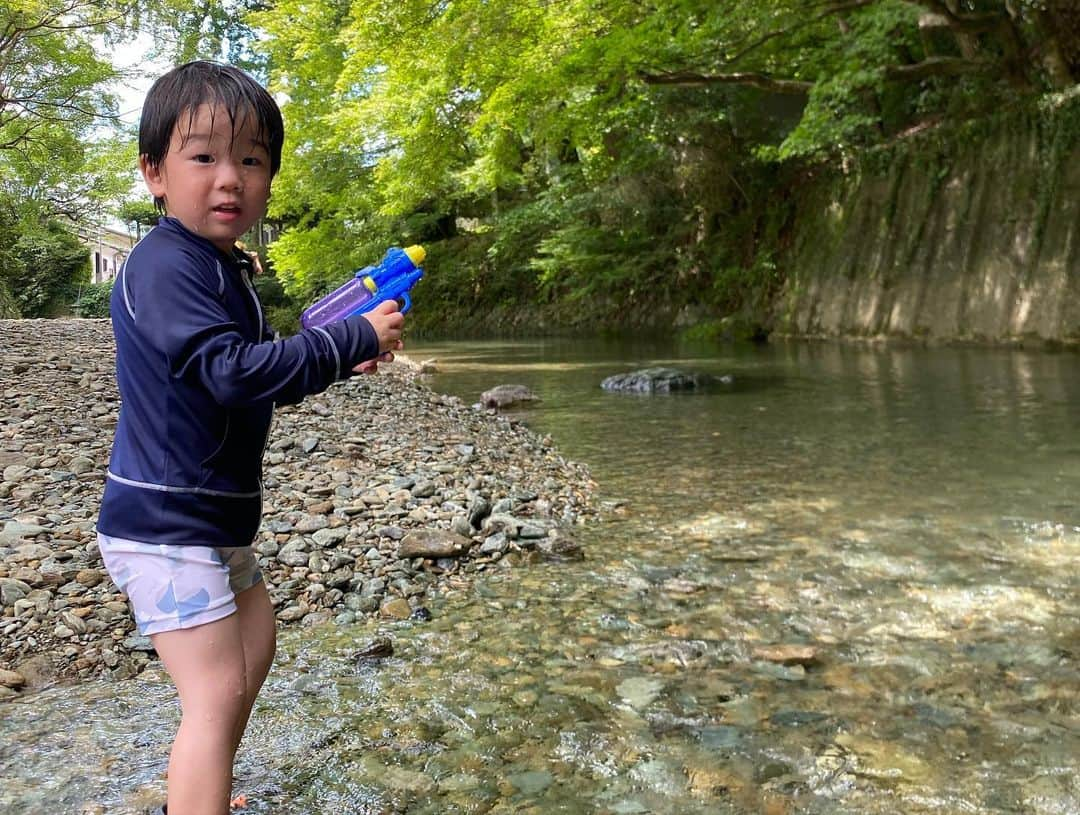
[391, 279]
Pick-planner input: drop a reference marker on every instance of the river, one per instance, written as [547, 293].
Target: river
[843, 582]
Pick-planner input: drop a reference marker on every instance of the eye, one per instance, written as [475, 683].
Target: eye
[203, 158]
[252, 161]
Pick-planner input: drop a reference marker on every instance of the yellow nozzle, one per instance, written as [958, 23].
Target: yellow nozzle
[416, 254]
[369, 282]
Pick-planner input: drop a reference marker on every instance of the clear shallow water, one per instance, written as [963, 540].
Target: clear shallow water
[912, 516]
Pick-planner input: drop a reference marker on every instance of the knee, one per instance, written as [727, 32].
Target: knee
[220, 706]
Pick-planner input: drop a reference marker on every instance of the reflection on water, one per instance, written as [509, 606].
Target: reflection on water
[844, 583]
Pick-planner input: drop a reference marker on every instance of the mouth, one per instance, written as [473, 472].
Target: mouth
[227, 211]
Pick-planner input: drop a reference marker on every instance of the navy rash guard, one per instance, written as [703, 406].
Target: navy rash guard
[199, 373]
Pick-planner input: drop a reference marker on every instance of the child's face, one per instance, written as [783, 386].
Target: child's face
[214, 181]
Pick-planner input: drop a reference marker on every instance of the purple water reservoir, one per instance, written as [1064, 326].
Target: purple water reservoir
[347, 300]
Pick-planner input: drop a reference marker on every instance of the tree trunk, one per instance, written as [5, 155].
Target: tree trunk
[1059, 27]
[966, 42]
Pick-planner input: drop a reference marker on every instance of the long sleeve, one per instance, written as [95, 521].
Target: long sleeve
[178, 309]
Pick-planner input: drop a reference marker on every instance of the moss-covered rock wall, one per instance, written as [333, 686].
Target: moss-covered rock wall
[970, 235]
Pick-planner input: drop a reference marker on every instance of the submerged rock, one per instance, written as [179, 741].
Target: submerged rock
[805, 655]
[649, 380]
[378, 648]
[505, 395]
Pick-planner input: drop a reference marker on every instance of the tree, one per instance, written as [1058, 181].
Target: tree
[41, 267]
[872, 68]
[138, 214]
[600, 152]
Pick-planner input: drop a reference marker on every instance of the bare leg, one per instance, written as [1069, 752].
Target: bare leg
[260, 642]
[207, 664]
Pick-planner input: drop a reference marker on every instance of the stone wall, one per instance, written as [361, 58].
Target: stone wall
[964, 237]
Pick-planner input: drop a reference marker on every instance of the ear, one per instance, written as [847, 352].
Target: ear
[153, 176]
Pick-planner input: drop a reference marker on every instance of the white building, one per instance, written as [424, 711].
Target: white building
[108, 249]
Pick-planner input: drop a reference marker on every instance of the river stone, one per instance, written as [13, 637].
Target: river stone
[81, 464]
[12, 590]
[433, 543]
[38, 671]
[532, 532]
[639, 691]
[15, 532]
[27, 575]
[378, 648]
[497, 543]
[137, 642]
[411, 781]
[531, 782]
[88, 577]
[649, 380]
[479, 509]
[292, 557]
[660, 776]
[805, 655]
[423, 489]
[16, 472]
[504, 395]
[502, 523]
[74, 622]
[459, 782]
[312, 523]
[11, 679]
[560, 546]
[396, 608]
[325, 537]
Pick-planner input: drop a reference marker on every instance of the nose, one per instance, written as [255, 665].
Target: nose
[229, 176]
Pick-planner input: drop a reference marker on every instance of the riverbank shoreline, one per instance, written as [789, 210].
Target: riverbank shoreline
[377, 493]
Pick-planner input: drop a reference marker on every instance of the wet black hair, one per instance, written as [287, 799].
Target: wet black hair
[184, 89]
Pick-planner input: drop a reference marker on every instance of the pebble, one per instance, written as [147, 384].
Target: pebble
[376, 491]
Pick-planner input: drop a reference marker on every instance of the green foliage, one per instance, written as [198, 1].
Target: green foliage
[597, 159]
[138, 213]
[51, 79]
[63, 154]
[41, 266]
[93, 300]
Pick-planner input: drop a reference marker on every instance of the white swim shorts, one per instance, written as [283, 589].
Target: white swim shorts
[172, 587]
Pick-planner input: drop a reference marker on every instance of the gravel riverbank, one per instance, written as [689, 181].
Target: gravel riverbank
[378, 493]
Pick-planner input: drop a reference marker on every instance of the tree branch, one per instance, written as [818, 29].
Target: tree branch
[937, 66]
[833, 8]
[968, 23]
[693, 80]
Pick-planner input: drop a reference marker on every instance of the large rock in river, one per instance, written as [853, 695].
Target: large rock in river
[648, 380]
[502, 395]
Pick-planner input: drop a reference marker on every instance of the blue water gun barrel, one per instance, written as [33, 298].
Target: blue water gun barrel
[391, 279]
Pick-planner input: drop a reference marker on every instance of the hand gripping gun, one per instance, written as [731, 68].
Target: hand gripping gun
[391, 279]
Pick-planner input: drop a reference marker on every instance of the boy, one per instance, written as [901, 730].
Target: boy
[199, 374]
